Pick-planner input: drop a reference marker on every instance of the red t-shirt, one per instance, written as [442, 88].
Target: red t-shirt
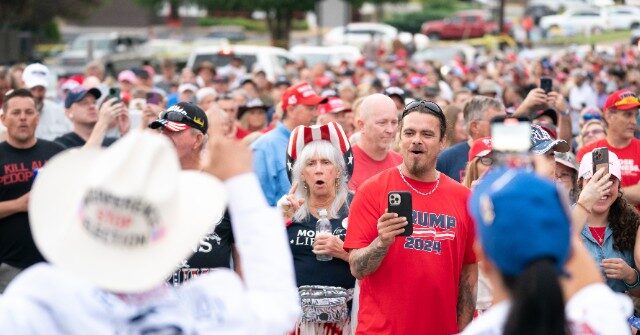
[415, 289]
[365, 167]
[629, 159]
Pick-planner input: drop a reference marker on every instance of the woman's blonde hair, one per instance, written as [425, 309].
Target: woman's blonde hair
[471, 172]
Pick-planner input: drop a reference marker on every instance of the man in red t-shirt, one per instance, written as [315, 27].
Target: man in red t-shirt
[378, 125]
[620, 114]
[423, 283]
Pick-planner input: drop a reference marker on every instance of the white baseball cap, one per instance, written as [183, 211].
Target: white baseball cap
[129, 214]
[34, 75]
[586, 166]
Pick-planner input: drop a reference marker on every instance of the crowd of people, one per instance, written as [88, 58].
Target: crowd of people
[546, 245]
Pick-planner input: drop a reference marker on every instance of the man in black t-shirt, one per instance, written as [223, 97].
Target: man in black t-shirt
[21, 155]
[186, 125]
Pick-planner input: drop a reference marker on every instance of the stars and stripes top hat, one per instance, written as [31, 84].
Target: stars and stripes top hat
[331, 132]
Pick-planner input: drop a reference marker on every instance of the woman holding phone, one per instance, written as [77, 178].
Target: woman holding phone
[606, 222]
[320, 167]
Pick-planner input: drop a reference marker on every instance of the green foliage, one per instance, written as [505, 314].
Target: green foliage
[428, 5]
[247, 24]
[412, 22]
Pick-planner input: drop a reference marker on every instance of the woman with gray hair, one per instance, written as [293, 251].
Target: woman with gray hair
[319, 163]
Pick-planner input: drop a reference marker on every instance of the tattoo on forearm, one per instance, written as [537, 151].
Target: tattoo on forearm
[466, 300]
[367, 260]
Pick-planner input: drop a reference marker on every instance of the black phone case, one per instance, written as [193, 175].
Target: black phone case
[546, 84]
[600, 157]
[400, 202]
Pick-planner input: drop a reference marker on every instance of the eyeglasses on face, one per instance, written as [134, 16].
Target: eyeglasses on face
[592, 132]
[486, 160]
[564, 176]
[430, 105]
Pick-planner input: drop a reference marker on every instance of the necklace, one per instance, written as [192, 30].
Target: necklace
[594, 233]
[414, 189]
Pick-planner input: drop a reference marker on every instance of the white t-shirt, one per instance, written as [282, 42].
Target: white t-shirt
[45, 299]
[593, 310]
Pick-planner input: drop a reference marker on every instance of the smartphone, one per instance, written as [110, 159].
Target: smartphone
[546, 84]
[511, 141]
[154, 98]
[114, 92]
[600, 159]
[400, 202]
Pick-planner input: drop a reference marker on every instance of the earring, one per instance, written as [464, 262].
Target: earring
[337, 182]
[304, 185]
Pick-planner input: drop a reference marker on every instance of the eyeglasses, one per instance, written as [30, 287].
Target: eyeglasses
[592, 116]
[592, 132]
[564, 176]
[486, 160]
[430, 105]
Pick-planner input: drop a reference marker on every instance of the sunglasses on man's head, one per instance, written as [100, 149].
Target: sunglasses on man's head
[178, 117]
[430, 105]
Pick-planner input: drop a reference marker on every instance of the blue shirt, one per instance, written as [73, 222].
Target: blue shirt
[269, 162]
[453, 161]
[607, 250]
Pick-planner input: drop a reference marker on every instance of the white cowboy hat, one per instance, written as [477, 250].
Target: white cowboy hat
[123, 217]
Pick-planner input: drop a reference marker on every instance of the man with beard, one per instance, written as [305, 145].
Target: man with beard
[423, 283]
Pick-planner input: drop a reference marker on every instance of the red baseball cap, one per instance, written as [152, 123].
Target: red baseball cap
[621, 100]
[301, 94]
[334, 105]
[480, 148]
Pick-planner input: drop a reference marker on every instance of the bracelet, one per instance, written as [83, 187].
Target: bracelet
[637, 283]
[583, 207]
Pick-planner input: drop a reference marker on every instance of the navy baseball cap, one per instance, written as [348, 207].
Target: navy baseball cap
[78, 94]
[520, 218]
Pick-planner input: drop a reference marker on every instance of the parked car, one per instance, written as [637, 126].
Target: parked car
[573, 22]
[116, 50]
[464, 24]
[538, 11]
[359, 33]
[271, 60]
[622, 17]
[331, 55]
[560, 6]
[444, 54]
[635, 37]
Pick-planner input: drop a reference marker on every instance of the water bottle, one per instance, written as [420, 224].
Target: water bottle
[323, 227]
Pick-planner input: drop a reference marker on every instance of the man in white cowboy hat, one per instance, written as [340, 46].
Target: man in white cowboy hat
[128, 217]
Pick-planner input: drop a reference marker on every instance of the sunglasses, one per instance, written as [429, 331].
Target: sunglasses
[179, 117]
[592, 116]
[430, 105]
[486, 160]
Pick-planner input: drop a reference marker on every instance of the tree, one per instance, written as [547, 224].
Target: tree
[37, 15]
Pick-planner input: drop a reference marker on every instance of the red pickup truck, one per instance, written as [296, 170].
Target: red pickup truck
[465, 24]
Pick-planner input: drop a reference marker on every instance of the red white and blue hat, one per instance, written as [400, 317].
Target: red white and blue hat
[331, 132]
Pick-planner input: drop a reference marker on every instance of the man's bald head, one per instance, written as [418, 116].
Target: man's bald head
[378, 124]
[375, 103]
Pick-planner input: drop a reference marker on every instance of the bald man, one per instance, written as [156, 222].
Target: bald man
[378, 125]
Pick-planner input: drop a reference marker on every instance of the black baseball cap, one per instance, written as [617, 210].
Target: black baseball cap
[181, 116]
